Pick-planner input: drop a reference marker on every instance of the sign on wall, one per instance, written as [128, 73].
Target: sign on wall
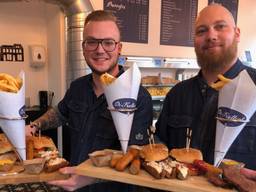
[11, 52]
[132, 18]
[177, 22]
[231, 5]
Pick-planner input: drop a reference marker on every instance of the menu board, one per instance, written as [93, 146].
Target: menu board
[177, 22]
[132, 18]
[231, 5]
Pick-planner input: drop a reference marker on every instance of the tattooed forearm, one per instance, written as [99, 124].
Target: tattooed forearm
[51, 119]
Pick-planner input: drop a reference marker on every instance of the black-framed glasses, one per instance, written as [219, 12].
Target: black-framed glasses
[108, 45]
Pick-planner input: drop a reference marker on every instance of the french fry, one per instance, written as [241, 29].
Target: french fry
[218, 85]
[9, 83]
[107, 79]
[8, 88]
[224, 79]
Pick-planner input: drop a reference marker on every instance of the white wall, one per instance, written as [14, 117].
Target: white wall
[28, 24]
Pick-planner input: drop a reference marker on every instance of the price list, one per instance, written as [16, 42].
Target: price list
[132, 18]
[177, 22]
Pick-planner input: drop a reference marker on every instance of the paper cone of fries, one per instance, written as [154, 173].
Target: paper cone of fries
[236, 105]
[12, 114]
[121, 97]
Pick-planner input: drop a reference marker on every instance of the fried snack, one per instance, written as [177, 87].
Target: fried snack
[126, 159]
[223, 81]
[135, 166]
[107, 79]
[9, 84]
[115, 158]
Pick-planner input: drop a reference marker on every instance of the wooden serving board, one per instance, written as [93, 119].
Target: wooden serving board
[192, 184]
[23, 177]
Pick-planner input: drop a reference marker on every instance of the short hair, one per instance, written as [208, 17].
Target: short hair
[101, 15]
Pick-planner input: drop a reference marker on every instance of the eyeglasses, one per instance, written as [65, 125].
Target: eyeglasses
[108, 45]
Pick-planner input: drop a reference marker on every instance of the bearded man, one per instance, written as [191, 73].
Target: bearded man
[192, 104]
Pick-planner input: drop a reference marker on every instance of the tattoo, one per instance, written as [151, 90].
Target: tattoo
[51, 119]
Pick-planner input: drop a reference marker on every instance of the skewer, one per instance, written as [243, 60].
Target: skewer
[188, 138]
[149, 139]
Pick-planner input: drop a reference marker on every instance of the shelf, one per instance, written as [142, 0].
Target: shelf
[158, 97]
[158, 85]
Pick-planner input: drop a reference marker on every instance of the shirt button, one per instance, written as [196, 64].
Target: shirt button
[203, 90]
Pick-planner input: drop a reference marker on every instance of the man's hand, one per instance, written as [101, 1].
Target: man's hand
[74, 182]
[30, 130]
[250, 174]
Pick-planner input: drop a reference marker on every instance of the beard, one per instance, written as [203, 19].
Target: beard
[214, 63]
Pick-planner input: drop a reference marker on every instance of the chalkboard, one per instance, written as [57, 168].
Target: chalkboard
[177, 22]
[231, 5]
[132, 18]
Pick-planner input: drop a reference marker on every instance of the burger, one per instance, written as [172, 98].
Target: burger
[42, 151]
[185, 155]
[154, 152]
[42, 146]
[7, 155]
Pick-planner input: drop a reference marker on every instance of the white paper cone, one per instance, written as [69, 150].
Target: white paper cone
[14, 130]
[12, 113]
[122, 95]
[237, 101]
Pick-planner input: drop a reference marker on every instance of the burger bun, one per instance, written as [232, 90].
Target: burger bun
[154, 152]
[186, 155]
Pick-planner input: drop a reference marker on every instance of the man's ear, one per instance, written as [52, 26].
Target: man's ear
[120, 45]
[237, 34]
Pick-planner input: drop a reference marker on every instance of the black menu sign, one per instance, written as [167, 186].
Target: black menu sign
[177, 22]
[231, 5]
[132, 17]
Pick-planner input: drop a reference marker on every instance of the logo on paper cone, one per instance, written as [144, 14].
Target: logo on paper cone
[125, 105]
[22, 111]
[230, 117]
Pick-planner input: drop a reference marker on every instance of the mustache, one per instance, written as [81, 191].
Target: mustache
[211, 44]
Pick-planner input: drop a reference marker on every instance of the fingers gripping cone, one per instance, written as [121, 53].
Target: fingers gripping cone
[12, 114]
[121, 97]
[236, 105]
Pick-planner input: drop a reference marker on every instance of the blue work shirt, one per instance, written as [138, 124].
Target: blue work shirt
[90, 123]
[193, 104]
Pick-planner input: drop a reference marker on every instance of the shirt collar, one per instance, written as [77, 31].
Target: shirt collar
[235, 69]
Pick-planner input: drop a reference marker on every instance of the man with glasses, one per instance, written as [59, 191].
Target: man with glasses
[84, 106]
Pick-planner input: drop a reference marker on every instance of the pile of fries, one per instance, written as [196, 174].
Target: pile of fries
[9, 83]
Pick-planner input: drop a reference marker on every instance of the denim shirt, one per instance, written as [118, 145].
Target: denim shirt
[90, 122]
[193, 104]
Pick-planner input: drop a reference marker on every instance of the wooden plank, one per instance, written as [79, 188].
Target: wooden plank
[24, 177]
[192, 184]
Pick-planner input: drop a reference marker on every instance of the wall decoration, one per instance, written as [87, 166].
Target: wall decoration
[13, 52]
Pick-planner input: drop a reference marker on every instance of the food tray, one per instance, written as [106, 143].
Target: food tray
[192, 184]
[16, 177]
